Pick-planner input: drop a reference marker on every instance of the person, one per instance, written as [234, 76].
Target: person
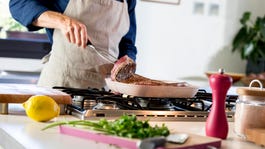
[109, 25]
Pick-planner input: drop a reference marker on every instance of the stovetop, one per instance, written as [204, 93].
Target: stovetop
[94, 103]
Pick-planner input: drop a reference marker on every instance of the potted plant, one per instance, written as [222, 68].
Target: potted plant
[250, 42]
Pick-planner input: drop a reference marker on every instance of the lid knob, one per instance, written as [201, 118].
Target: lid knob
[221, 71]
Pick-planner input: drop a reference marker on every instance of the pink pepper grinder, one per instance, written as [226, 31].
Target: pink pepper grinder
[216, 123]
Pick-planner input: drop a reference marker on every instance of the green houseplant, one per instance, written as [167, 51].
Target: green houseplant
[13, 29]
[9, 24]
[250, 42]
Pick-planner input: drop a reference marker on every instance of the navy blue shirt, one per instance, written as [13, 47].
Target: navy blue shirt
[26, 11]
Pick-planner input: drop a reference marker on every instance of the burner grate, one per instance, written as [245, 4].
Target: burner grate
[94, 103]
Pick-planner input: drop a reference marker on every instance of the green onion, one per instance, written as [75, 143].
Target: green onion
[125, 126]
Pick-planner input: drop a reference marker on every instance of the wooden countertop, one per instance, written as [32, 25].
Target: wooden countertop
[19, 93]
[18, 131]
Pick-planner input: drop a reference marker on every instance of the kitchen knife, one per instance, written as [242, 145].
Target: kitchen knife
[103, 54]
[152, 143]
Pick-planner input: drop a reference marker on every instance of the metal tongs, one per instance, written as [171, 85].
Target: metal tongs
[103, 54]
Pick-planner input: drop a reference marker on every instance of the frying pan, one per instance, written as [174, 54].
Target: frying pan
[152, 91]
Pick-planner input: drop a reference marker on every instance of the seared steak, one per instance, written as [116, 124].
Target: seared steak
[140, 80]
[124, 71]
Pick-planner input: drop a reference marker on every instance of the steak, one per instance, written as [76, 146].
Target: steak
[124, 71]
[140, 80]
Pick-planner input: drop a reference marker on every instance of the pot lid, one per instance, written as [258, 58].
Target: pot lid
[252, 91]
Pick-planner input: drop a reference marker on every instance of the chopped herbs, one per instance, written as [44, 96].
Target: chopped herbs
[125, 126]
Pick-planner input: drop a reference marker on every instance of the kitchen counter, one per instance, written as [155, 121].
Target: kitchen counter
[18, 132]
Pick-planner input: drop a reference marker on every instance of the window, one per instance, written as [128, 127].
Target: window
[4, 11]
[7, 23]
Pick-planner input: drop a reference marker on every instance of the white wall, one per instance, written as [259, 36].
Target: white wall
[175, 44]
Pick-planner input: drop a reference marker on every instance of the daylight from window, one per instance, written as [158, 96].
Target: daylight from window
[7, 23]
[5, 14]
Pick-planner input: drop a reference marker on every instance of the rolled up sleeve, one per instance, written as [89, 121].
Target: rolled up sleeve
[26, 11]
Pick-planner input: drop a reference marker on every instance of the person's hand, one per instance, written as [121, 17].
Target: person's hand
[75, 32]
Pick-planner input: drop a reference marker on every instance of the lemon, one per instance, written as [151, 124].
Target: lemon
[41, 108]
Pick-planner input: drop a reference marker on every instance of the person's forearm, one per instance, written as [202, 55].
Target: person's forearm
[51, 19]
[73, 30]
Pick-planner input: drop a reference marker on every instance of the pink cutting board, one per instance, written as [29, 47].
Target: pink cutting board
[194, 141]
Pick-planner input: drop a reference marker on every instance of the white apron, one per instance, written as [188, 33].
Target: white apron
[107, 21]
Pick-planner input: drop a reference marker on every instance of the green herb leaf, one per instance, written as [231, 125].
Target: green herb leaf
[125, 126]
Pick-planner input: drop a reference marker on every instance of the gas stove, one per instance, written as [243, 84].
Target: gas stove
[94, 103]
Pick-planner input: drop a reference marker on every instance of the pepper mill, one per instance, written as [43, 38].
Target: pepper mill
[216, 123]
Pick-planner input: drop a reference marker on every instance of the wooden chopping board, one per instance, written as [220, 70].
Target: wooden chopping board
[194, 141]
[19, 93]
[256, 135]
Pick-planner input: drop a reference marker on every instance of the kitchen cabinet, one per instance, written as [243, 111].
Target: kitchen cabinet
[24, 48]
[18, 131]
[21, 59]
[18, 77]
